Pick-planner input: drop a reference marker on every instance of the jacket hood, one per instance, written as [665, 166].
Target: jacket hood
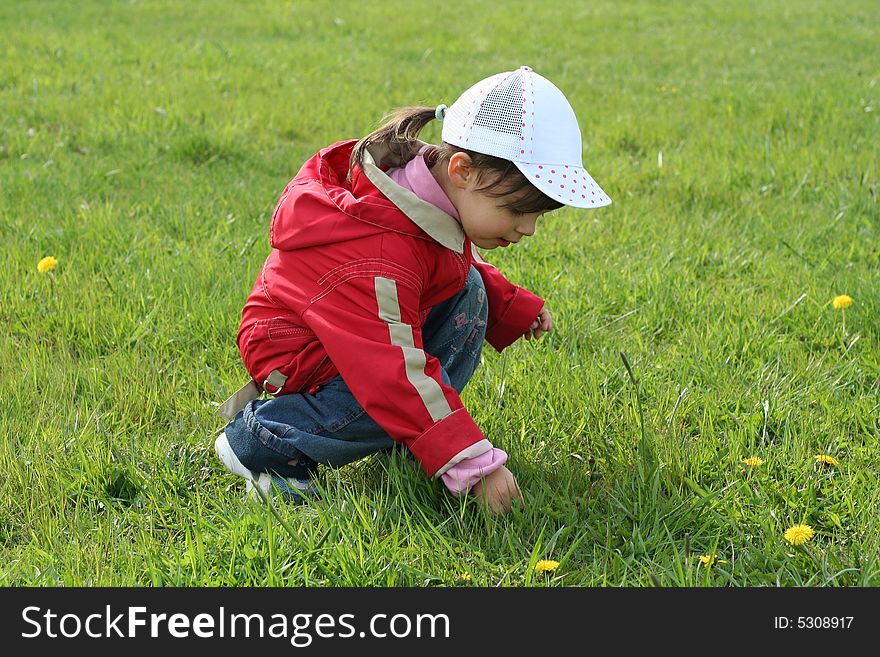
[319, 206]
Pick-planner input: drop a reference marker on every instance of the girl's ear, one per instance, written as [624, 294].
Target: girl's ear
[460, 169]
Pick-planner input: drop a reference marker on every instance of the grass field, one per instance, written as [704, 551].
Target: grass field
[144, 146]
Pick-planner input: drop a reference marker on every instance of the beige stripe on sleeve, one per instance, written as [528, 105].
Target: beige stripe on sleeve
[415, 360]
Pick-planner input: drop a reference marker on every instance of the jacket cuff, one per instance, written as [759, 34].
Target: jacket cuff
[448, 441]
[475, 450]
[513, 324]
[465, 474]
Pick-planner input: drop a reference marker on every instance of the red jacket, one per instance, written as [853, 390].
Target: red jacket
[346, 289]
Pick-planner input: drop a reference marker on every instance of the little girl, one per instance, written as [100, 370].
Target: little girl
[368, 317]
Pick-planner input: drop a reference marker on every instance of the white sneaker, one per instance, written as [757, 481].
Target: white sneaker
[262, 485]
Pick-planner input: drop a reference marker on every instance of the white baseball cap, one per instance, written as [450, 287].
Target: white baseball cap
[523, 117]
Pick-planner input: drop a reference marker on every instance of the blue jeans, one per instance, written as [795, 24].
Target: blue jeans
[330, 427]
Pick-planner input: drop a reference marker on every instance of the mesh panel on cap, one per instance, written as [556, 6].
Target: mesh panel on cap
[501, 111]
[497, 127]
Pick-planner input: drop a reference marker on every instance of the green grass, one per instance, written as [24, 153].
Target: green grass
[144, 145]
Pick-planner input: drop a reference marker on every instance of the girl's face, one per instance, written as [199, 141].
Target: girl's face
[488, 225]
[485, 222]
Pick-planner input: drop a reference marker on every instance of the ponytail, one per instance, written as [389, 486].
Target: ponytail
[503, 180]
[399, 134]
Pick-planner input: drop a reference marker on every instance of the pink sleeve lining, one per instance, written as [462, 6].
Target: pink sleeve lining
[462, 476]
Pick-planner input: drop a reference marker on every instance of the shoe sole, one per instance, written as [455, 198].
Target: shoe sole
[230, 460]
[253, 480]
[257, 484]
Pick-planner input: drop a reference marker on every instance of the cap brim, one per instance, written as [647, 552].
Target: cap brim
[571, 185]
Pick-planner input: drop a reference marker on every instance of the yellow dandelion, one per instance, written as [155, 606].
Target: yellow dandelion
[546, 566]
[799, 534]
[753, 461]
[709, 559]
[842, 302]
[46, 264]
[465, 577]
[824, 458]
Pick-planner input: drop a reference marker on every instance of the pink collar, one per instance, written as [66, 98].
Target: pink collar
[417, 178]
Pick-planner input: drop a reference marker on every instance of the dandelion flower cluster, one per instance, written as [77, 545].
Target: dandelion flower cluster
[824, 458]
[753, 461]
[465, 577]
[546, 566]
[799, 534]
[46, 264]
[842, 302]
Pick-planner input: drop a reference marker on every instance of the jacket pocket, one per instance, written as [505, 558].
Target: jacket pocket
[271, 344]
[280, 344]
[287, 332]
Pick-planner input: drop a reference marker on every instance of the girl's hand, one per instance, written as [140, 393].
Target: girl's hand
[543, 324]
[497, 490]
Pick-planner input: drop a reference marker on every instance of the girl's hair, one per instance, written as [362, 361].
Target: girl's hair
[502, 179]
